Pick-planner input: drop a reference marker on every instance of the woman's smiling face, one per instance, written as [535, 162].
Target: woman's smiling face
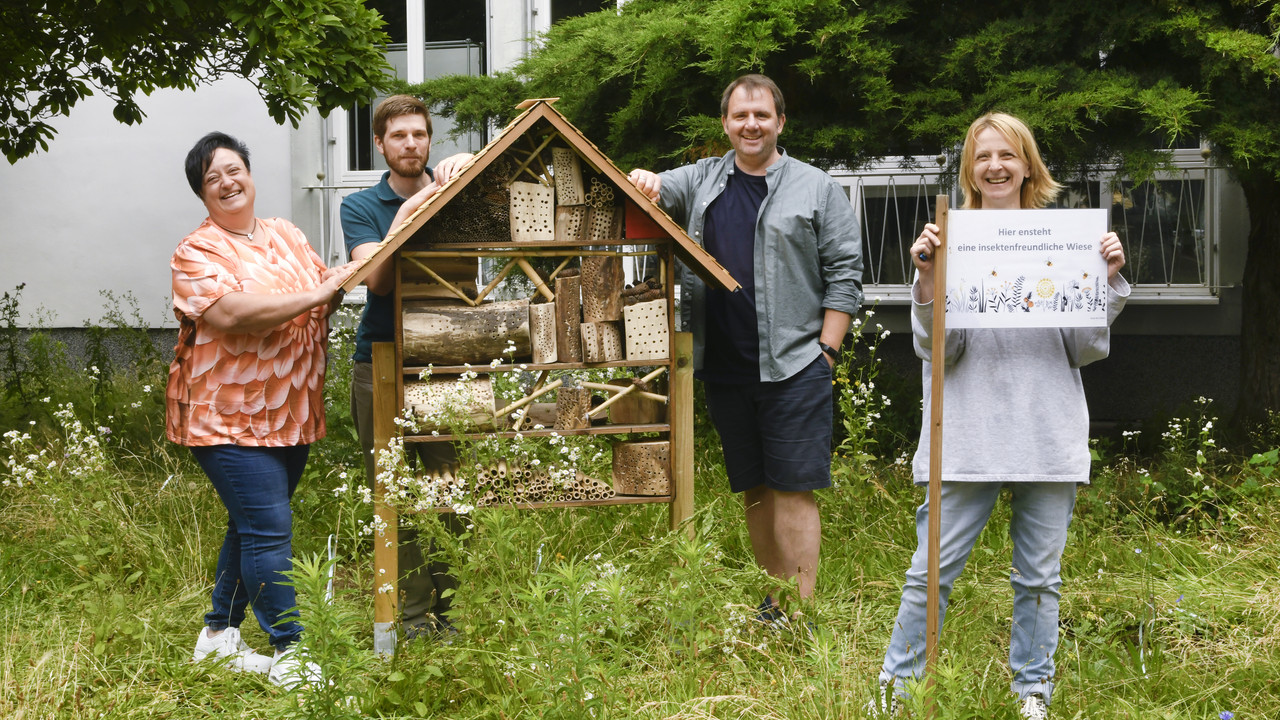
[998, 170]
[228, 187]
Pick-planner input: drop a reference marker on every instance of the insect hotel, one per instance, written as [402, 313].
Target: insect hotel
[543, 210]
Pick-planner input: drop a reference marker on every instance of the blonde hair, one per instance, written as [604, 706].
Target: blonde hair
[1038, 190]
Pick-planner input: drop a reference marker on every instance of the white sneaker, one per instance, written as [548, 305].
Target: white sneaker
[1034, 707]
[883, 705]
[229, 648]
[292, 672]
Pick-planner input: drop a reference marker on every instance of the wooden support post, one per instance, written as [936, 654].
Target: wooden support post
[386, 571]
[681, 419]
[938, 363]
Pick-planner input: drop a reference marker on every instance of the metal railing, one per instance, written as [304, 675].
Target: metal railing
[1165, 224]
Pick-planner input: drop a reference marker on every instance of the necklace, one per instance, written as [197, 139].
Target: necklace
[248, 236]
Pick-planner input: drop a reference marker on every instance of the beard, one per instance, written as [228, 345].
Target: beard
[407, 166]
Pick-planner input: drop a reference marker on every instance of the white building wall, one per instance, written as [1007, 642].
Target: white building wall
[104, 207]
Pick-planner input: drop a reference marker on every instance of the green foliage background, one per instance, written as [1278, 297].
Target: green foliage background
[299, 53]
[1113, 83]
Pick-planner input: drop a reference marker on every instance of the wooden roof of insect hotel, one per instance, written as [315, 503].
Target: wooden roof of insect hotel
[542, 124]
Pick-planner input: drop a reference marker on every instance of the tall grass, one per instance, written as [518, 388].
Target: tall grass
[1170, 608]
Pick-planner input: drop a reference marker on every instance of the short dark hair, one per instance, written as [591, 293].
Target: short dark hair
[394, 107]
[201, 155]
[753, 83]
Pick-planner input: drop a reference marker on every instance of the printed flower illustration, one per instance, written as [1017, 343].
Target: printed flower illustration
[1045, 288]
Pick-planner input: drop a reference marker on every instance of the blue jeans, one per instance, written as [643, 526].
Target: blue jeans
[1041, 514]
[255, 484]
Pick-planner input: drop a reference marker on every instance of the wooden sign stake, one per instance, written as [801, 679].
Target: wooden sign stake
[938, 355]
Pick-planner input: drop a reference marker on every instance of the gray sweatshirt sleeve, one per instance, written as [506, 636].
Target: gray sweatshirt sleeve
[922, 331]
[1087, 345]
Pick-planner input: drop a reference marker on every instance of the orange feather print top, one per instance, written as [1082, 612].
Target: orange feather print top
[260, 389]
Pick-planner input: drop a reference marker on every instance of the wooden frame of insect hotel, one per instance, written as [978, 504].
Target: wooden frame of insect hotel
[540, 209]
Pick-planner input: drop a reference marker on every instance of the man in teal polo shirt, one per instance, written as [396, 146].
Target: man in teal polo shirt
[402, 133]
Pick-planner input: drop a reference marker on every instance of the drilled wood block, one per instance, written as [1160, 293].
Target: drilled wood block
[572, 405]
[451, 403]
[571, 223]
[601, 342]
[602, 281]
[532, 212]
[542, 332]
[568, 319]
[604, 224]
[647, 332]
[568, 174]
[642, 468]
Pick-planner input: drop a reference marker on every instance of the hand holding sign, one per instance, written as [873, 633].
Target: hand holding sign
[922, 256]
[1113, 252]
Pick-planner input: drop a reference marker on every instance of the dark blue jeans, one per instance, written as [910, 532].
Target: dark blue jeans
[255, 484]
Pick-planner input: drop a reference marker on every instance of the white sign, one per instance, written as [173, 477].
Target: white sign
[1026, 268]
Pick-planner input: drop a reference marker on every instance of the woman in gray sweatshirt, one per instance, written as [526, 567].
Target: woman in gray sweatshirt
[1017, 419]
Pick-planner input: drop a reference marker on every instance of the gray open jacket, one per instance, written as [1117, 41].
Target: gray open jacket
[808, 256]
[1013, 404]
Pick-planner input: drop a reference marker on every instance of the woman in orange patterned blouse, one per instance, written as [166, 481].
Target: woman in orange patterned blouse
[245, 393]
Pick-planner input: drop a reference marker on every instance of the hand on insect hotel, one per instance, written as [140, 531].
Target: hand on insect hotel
[646, 182]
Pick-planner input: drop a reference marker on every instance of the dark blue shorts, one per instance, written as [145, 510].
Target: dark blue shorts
[776, 433]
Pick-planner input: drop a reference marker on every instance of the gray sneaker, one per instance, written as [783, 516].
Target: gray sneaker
[228, 648]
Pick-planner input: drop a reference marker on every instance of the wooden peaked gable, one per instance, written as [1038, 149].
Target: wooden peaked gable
[537, 113]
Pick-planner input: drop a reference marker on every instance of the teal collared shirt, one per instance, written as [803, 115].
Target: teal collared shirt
[808, 256]
[366, 218]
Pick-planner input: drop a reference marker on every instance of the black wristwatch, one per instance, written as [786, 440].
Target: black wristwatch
[830, 352]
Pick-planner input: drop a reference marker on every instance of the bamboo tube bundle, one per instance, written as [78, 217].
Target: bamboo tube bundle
[572, 405]
[532, 212]
[568, 177]
[601, 288]
[453, 334]
[542, 332]
[539, 489]
[642, 468]
[480, 212]
[601, 341]
[592, 489]
[647, 335]
[440, 403]
[568, 318]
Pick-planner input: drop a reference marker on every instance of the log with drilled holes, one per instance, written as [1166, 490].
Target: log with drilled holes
[454, 334]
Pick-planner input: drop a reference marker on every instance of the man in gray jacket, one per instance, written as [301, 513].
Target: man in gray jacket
[787, 232]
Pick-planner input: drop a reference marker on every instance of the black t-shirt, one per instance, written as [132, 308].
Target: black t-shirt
[732, 337]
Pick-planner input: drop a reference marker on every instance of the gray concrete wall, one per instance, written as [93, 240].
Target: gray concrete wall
[104, 208]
